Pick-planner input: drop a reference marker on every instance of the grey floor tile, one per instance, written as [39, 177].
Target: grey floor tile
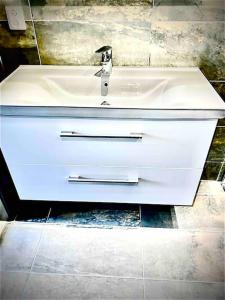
[178, 290]
[90, 251]
[18, 246]
[54, 286]
[210, 187]
[12, 285]
[184, 255]
[207, 213]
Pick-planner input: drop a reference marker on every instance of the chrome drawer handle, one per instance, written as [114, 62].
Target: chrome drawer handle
[81, 179]
[74, 134]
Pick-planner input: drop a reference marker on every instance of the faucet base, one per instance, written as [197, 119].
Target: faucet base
[104, 84]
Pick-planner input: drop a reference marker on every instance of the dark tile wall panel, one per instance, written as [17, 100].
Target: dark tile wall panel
[217, 149]
[211, 170]
[17, 48]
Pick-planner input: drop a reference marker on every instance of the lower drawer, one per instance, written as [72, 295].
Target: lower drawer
[106, 184]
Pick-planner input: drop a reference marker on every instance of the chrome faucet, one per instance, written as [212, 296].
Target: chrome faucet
[104, 73]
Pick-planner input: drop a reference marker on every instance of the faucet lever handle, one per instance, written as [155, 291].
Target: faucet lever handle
[103, 49]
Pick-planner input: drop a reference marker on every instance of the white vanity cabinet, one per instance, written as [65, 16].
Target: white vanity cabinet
[106, 160]
[147, 145]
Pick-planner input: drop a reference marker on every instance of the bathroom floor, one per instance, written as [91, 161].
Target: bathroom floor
[118, 252]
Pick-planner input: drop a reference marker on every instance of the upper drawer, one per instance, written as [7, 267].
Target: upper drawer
[178, 144]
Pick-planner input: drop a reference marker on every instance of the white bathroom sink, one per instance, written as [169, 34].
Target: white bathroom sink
[123, 91]
[129, 88]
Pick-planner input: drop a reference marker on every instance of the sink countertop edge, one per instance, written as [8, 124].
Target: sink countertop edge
[211, 111]
[102, 112]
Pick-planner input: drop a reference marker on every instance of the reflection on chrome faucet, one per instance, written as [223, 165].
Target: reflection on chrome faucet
[104, 73]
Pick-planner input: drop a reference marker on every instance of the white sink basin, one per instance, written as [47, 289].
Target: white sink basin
[123, 92]
[129, 88]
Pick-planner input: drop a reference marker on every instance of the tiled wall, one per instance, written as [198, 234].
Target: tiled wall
[141, 32]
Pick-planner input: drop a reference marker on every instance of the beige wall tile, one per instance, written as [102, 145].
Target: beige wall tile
[75, 42]
[189, 44]
[192, 10]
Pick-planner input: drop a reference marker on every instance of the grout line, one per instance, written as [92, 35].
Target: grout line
[182, 280]
[48, 215]
[35, 35]
[30, 271]
[174, 217]
[142, 259]
[82, 22]
[219, 81]
[220, 172]
[140, 215]
[37, 249]
[121, 228]
[26, 20]
[142, 253]
[114, 276]
[83, 275]
[144, 294]
[143, 265]
[25, 284]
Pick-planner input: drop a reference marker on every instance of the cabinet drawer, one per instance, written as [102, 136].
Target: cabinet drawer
[176, 144]
[106, 184]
